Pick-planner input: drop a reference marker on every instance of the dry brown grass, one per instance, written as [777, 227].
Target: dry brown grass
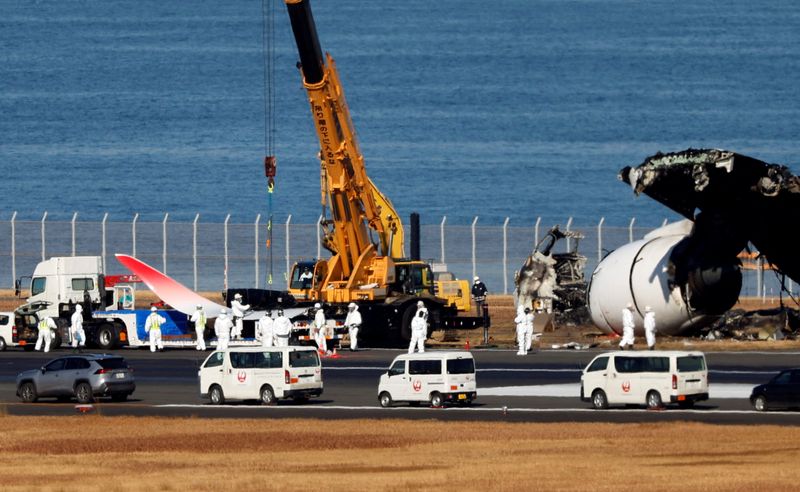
[129, 453]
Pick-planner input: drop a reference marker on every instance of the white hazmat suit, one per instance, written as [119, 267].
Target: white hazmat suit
[46, 330]
[199, 320]
[528, 329]
[222, 329]
[264, 330]
[353, 324]
[650, 327]
[238, 310]
[321, 328]
[522, 331]
[282, 329]
[152, 325]
[627, 327]
[419, 331]
[76, 327]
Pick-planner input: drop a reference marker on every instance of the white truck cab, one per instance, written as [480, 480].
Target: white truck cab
[261, 373]
[436, 377]
[651, 378]
[62, 279]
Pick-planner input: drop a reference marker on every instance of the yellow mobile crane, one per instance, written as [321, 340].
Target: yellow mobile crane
[375, 274]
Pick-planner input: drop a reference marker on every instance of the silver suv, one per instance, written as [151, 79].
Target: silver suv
[82, 376]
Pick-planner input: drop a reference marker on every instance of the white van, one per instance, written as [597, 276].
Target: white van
[7, 331]
[652, 378]
[433, 377]
[261, 373]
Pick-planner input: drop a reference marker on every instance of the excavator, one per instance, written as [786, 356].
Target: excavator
[363, 232]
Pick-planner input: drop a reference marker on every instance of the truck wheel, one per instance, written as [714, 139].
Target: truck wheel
[106, 337]
[216, 396]
[83, 393]
[27, 393]
[385, 399]
[3, 344]
[267, 395]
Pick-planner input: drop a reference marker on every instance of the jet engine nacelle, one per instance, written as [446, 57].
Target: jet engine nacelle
[645, 272]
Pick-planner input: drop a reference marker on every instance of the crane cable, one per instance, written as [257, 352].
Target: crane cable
[270, 162]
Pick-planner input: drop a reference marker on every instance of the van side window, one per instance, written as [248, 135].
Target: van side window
[269, 360]
[460, 366]
[303, 358]
[215, 360]
[399, 367]
[598, 364]
[242, 360]
[691, 363]
[641, 364]
[424, 367]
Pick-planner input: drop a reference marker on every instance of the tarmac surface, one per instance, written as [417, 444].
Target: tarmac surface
[543, 386]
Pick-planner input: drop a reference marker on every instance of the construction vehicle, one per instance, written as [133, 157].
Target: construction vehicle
[363, 233]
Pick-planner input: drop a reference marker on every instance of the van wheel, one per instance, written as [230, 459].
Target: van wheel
[385, 399]
[267, 395]
[760, 403]
[436, 400]
[3, 344]
[216, 396]
[654, 400]
[27, 393]
[83, 393]
[599, 400]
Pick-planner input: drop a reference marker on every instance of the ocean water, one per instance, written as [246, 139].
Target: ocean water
[517, 108]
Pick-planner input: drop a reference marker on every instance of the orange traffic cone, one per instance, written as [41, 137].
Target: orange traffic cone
[466, 345]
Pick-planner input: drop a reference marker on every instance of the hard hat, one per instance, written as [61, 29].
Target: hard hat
[237, 296]
[476, 279]
[154, 309]
[630, 305]
[420, 304]
[280, 312]
[223, 311]
[317, 306]
[352, 304]
[199, 306]
[647, 308]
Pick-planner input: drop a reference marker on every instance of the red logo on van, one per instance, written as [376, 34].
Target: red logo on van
[417, 385]
[626, 386]
[241, 376]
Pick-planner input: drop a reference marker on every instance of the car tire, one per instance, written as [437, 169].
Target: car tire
[119, 397]
[83, 393]
[106, 338]
[3, 344]
[599, 400]
[267, 395]
[760, 403]
[385, 399]
[436, 400]
[216, 395]
[27, 392]
[653, 400]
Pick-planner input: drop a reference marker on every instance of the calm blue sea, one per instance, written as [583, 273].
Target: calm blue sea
[514, 108]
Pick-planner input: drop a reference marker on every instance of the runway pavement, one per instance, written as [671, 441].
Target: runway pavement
[540, 387]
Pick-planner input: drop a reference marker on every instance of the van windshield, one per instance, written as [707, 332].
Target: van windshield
[460, 366]
[691, 363]
[305, 358]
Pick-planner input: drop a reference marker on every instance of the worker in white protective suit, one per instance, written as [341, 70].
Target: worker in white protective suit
[222, 329]
[353, 324]
[46, 332]
[650, 327]
[238, 310]
[419, 331]
[199, 320]
[76, 328]
[152, 325]
[421, 307]
[528, 329]
[522, 330]
[264, 330]
[627, 327]
[282, 329]
[321, 328]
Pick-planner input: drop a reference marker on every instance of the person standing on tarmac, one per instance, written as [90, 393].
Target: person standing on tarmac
[222, 328]
[152, 325]
[353, 324]
[320, 326]
[264, 330]
[282, 329]
[522, 329]
[627, 327]
[650, 327]
[421, 307]
[238, 313]
[46, 327]
[528, 329]
[76, 328]
[199, 320]
[479, 292]
[419, 331]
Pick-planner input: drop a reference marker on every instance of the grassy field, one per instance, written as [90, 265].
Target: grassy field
[125, 453]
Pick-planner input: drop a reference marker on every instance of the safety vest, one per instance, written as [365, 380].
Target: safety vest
[202, 320]
[155, 325]
[43, 325]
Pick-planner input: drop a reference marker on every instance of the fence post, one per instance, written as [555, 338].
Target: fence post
[600, 238]
[72, 223]
[630, 230]
[441, 236]
[569, 225]
[474, 266]
[194, 250]
[255, 227]
[133, 234]
[103, 240]
[44, 218]
[164, 241]
[14, 248]
[319, 237]
[225, 278]
[536, 232]
[505, 256]
[288, 251]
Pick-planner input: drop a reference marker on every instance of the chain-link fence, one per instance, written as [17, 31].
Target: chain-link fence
[208, 256]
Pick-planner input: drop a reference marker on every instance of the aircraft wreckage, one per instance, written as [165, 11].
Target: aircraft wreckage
[688, 271]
